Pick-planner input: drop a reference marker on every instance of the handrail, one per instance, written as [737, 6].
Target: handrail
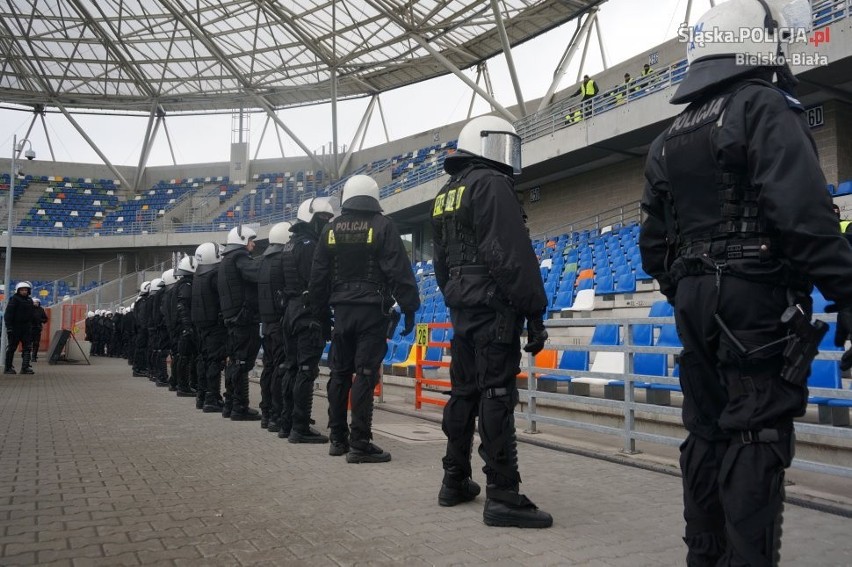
[623, 214]
[629, 406]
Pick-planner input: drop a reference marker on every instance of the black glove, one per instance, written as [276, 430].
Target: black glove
[536, 335]
[327, 326]
[843, 332]
[409, 323]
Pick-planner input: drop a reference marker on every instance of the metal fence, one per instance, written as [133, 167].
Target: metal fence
[628, 407]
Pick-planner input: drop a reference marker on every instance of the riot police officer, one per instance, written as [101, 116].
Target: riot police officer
[168, 312]
[39, 319]
[360, 268]
[238, 298]
[158, 336]
[19, 320]
[270, 299]
[738, 228]
[489, 275]
[187, 342]
[207, 317]
[303, 323]
[140, 354]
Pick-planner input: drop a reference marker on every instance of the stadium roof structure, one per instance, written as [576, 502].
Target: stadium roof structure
[218, 55]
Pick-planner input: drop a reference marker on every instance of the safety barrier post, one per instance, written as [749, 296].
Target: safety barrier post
[423, 340]
[629, 394]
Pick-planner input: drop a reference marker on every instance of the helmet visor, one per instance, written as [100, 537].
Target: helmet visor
[502, 147]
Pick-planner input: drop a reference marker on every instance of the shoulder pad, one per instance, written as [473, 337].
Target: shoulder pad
[792, 101]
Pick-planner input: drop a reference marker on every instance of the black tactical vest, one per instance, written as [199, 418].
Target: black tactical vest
[232, 292]
[183, 301]
[205, 299]
[353, 244]
[168, 307]
[455, 222]
[713, 211]
[270, 284]
[140, 311]
[294, 284]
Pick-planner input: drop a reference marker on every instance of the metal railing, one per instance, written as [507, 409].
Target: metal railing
[628, 407]
[621, 215]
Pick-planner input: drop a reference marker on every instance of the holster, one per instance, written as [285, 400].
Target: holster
[393, 320]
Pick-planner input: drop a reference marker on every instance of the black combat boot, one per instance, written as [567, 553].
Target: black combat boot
[303, 402]
[505, 507]
[25, 364]
[339, 444]
[241, 411]
[366, 452]
[454, 491]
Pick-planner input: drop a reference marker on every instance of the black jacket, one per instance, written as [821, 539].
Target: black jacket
[763, 135]
[19, 313]
[39, 317]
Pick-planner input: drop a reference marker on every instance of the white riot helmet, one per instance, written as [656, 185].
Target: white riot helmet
[738, 37]
[145, 288]
[312, 207]
[157, 284]
[207, 256]
[24, 285]
[36, 301]
[491, 138]
[169, 277]
[186, 266]
[239, 237]
[360, 193]
[280, 233]
[90, 314]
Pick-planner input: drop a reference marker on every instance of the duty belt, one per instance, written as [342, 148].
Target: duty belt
[471, 270]
[358, 286]
[753, 248]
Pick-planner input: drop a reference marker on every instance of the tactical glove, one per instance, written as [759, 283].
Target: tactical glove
[843, 332]
[409, 323]
[536, 335]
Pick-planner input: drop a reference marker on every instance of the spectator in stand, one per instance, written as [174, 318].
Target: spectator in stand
[588, 89]
[39, 319]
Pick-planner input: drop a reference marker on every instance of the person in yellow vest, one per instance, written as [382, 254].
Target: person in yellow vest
[844, 224]
[645, 80]
[588, 89]
[622, 92]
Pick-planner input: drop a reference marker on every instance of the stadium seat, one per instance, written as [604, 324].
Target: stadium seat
[585, 300]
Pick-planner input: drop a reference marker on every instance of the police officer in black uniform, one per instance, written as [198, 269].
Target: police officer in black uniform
[270, 299]
[39, 319]
[238, 297]
[304, 324]
[19, 320]
[489, 275]
[187, 342]
[168, 311]
[207, 317]
[140, 354]
[158, 335]
[739, 226]
[360, 268]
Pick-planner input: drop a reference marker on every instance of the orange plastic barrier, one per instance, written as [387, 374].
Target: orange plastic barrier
[420, 380]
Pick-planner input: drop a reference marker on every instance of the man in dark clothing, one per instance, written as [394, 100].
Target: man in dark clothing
[140, 354]
[39, 319]
[489, 275]
[360, 269]
[238, 298]
[270, 298]
[168, 312]
[738, 228]
[186, 367]
[19, 322]
[303, 325]
[158, 336]
[206, 315]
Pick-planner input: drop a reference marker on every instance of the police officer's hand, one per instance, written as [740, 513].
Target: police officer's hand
[327, 327]
[536, 335]
[843, 332]
[409, 323]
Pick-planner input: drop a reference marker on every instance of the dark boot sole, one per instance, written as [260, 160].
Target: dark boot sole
[243, 417]
[308, 440]
[337, 451]
[454, 500]
[184, 394]
[354, 458]
[499, 522]
[211, 409]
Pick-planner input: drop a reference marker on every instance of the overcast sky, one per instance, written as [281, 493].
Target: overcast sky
[629, 27]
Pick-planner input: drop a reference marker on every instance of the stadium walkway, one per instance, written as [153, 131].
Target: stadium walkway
[98, 468]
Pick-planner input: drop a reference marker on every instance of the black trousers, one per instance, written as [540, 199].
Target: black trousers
[243, 345]
[270, 378]
[212, 340]
[304, 349]
[17, 337]
[739, 415]
[35, 338]
[140, 356]
[486, 354]
[358, 345]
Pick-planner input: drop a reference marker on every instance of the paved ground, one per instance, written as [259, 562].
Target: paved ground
[98, 468]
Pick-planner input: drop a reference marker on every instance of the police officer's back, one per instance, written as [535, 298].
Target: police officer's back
[738, 227]
[360, 268]
[206, 315]
[238, 298]
[489, 275]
